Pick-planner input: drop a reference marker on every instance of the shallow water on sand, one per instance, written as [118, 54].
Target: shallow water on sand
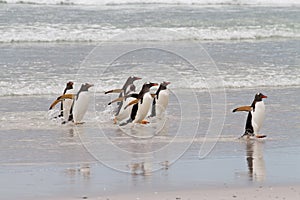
[42, 159]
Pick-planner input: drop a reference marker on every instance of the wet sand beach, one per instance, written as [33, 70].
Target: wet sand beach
[42, 159]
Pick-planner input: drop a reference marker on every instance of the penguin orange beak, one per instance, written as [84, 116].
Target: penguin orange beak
[154, 84]
[168, 83]
[263, 96]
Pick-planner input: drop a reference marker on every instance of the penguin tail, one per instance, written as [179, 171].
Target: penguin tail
[248, 133]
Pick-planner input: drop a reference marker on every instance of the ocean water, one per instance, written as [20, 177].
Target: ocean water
[216, 54]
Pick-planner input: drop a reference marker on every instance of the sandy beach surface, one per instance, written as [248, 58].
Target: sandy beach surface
[259, 193]
[41, 159]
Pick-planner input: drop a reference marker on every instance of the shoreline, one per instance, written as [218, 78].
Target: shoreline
[289, 191]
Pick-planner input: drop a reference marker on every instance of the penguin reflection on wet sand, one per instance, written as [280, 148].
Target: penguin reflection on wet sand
[80, 102]
[124, 98]
[141, 105]
[255, 160]
[161, 100]
[256, 116]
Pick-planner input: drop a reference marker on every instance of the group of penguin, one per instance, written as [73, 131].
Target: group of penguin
[135, 107]
[132, 107]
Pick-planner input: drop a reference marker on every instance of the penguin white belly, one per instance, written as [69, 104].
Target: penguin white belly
[67, 104]
[125, 113]
[162, 102]
[80, 106]
[143, 108]
[258, 116]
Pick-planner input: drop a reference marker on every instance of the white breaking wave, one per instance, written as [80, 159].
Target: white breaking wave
[97, 33]
[186, 2]
[229, 81]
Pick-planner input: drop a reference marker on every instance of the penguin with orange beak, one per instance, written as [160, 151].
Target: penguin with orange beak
[80, 103]
[256, 116]
[161, 100]
[141, 105]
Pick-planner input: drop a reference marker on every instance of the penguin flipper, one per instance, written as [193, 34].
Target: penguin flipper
[61, 98]
[114, 91]
[260, 136]
[132, 103]
[117, 100]
[243, 108]
[54, 103]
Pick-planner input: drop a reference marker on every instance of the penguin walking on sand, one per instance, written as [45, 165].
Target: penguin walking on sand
[256, 116]
[160, 100]
[80, 102]
[124, 98]
[141, 104]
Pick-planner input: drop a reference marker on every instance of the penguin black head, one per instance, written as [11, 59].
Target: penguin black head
[164, 85]
[146, 87]
[85, 87]
[131, 79]
[134, 78]
[259, 97]
[69, 85]
[129, 82]
[149, 85]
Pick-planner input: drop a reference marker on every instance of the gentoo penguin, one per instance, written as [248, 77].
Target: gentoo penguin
[161, 100]
[67, 103]
[256, 115]
[81, 103]
[126, 90]
[141, 104]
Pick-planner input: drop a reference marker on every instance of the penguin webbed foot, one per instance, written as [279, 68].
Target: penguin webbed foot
[78, 123]
[115, 120]
[144, 122]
